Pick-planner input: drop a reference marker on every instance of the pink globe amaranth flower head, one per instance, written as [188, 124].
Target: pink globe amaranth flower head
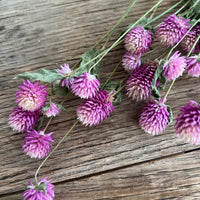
[31, 96]
[187, 125]
[53, 110]
[193, 66]
[35, 193]
[138, 86]
[138, 40]
[93, 110]
[174, 67]
[172, 30]
[131, 62]
[154, 117]
[37, 144]
[21, 120]
[85, 86]
[190, 39]
[65, 71]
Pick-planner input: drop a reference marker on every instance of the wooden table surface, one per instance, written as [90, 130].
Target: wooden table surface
[114, 160]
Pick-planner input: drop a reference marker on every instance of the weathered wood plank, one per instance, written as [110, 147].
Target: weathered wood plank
[171, 178]
[46, 34]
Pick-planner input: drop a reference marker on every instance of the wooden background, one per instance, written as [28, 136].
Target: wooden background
[115, 160]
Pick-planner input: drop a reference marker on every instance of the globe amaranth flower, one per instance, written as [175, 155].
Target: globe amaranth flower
[138, 86]
[131, 62]
[93, 110]
[174, 67]
[53, 110]
[21, 120]
[65, 71]
[172, 30]
[138, 40]
[193, 66]
[187, 125]
[42, 191]
[154, 117]
[37, 144]
[85, 86]
[31, 96]
[190, 39]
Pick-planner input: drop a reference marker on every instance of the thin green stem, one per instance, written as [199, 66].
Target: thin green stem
[108, 79]
[110, 32]
[170, 87]
[121, 88]
[114, 44]
[193, 46]
[48, 124]
[165, 13]
[36, 173]
[182, 38]
[182, 7]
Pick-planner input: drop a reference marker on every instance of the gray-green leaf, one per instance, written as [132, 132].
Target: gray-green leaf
[41, 187]
[44, 75]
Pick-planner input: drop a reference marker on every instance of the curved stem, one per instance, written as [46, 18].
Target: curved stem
[36, 173]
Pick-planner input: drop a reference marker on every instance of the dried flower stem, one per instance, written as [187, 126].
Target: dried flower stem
[182, 7]
[67, 133]
[121, 88]
[48, 124]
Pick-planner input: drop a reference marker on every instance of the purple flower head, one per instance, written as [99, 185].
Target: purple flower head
[52, 111]
[154, 117]
[138, 86]
[190, 38]
[130, 62]
[31, 96]
[138, 40]
[21, 120]
[93, 110]
[37, 193]
[65, 71]
[174, 67]
[187, 125]
[193, 66]
[37, 144]
[172, 30]
[85, 86]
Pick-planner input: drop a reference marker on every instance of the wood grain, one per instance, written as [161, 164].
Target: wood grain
[48, 33]
[170, 178]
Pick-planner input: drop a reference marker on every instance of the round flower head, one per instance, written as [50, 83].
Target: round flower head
[65, 71]
[85, 86]
[172, 30]
[154, 117]
[174, 67]
[53, 110]
[187, 125]
[193, 66]
[93, 110]
[138, 40]
[21, 120]
[31, 96]
[130, 62]
[190, 38]
[43, 191]
[139, 84]
[37, 144]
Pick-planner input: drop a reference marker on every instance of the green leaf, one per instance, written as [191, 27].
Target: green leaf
[41, 122]
[41, 187]
[163, 81]
[170, 115]
[62, 108]
[88, 60]
[118, 99]
[159, 70]
[59, 90]
[112, 85]
[45, 108]
[44, 75]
